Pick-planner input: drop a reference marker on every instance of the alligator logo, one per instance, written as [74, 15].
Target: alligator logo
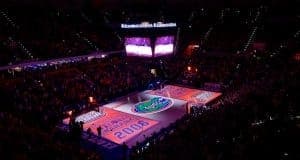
[154, 105]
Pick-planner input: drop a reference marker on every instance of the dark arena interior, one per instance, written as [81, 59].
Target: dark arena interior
[149, 79]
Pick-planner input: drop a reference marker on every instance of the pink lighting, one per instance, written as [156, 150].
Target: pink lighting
[131, 119]
[91, 99]
[70, 113]
[186, 94]
[118, 127]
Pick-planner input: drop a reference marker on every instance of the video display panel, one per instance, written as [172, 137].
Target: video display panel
[138, 46]
[164, 45]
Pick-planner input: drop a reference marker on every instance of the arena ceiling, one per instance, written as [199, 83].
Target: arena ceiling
[149, 4]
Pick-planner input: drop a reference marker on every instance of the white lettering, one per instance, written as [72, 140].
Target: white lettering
[149, 25]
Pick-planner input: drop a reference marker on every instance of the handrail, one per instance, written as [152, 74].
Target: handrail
[59, 60]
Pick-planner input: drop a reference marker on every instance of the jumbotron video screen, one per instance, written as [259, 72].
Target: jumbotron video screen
[164, 45]
[142, 46]
[138, 46]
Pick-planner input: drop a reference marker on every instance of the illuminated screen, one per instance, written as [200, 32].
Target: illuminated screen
[138, 46]
[164, 46]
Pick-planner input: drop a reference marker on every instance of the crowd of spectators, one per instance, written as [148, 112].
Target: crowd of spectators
[36, 99]
[255, 118]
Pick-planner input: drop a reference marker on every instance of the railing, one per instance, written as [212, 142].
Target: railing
[251, 38]
[85, 39]
[47, 63]
[256, 23]
[9, 20]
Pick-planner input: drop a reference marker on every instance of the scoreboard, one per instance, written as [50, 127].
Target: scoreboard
[149, 39]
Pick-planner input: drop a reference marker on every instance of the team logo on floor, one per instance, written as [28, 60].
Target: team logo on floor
[153, 105]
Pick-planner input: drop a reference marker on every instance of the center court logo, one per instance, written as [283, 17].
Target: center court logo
[153, 105]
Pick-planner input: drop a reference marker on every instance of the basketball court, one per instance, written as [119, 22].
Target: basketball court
[133, 118]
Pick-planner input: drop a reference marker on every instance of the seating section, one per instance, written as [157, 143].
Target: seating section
[257, 116]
